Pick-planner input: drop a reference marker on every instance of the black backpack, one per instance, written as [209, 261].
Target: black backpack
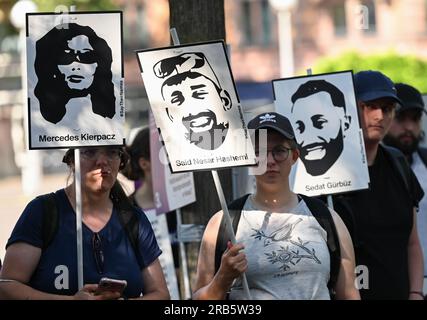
[50, 223]
[401, 165]
[318, 209]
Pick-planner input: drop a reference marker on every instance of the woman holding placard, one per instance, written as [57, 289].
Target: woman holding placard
[118, 241]
[284, 240]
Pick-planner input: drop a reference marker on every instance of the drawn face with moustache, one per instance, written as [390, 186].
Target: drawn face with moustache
[197, 103]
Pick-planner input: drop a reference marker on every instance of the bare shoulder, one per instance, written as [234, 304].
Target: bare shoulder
[212, 227]
[343, 234]
[206, 259]
[339, 224]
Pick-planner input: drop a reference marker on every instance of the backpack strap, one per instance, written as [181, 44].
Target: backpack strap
[235, 210]
[50, 220]
[422, 152]
[400, 163]
[129, 221]
[319, 210]
[322, 214]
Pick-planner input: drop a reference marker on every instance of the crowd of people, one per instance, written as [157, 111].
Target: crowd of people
[289, 246]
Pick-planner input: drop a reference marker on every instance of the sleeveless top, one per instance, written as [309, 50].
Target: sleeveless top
[287, 254]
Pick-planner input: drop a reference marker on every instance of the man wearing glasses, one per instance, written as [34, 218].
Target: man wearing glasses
[382, 219]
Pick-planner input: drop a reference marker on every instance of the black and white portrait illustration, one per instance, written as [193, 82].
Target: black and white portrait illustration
[195, 105]
[189, 83]
[319, 127]
[323, 113]
[75, 79]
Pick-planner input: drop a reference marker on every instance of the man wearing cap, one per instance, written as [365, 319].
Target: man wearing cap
[280, 244]
[383, 218]
[405, 134]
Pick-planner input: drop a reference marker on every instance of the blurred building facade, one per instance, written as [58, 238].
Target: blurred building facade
[319, 28]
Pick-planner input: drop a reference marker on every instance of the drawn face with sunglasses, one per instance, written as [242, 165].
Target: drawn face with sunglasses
[72, 61]
[78, 64]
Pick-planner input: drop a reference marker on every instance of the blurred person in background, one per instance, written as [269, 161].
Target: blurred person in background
[383, 219]
[139, 171]
[406, 134]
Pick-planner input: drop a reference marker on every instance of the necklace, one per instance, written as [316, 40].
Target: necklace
[283, 208]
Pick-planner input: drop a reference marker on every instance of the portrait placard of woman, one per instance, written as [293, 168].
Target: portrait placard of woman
[75, 79]
[73, 62]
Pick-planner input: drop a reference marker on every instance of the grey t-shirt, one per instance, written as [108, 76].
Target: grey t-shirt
[420, 171]
[288, 258]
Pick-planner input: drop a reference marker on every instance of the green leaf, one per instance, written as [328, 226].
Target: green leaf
[398, 67]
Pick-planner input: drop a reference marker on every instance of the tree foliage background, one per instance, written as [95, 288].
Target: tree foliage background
[400, 68]
[81, 5]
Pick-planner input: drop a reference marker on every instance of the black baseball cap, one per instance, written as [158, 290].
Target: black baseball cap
[274, 121]
[411, 98]
[370, 85]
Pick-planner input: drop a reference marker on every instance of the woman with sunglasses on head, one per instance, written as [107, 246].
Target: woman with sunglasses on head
[281, 246]
[36, 268]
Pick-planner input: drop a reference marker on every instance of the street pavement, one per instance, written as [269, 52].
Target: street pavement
[13, 201]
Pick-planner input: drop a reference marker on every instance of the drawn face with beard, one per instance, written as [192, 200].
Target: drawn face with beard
[319, 127]
[197, 105]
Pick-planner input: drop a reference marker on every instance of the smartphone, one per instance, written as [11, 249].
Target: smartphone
[107, 284]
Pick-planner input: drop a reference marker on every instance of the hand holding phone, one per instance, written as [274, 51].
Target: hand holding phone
[107, 284]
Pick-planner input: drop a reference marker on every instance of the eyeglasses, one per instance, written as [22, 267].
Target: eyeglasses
[94, 153]
[279, 153]
[98, 254]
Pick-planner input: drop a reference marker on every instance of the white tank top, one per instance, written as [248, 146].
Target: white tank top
[288, 258]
